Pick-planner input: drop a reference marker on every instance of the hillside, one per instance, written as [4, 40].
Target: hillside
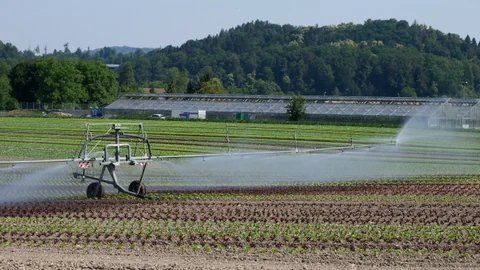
[380, 58]
[376, 58]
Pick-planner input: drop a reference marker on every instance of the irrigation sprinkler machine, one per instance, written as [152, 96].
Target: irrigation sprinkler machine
[114, 148]
[112, 156]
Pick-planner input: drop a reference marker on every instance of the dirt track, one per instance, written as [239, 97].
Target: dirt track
[53, 258]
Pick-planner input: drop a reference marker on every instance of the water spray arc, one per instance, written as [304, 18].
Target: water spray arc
[115, 148]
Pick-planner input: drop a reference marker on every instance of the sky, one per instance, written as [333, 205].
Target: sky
[158, 23]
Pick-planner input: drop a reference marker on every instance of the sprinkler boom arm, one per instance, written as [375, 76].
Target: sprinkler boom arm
[112, 157]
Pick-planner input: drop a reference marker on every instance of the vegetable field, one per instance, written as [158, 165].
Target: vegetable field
[412, 204]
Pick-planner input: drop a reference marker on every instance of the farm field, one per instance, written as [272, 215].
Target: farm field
[406, 206]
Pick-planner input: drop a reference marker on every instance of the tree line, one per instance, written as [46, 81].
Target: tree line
[61, 81]
[376, 58]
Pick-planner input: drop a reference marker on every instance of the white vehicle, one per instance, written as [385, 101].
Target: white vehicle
[158, 116]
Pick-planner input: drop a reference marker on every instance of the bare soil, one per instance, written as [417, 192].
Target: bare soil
[14, 258]
[44, 249]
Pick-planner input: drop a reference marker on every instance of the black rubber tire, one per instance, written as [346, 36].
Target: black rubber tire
[135, 185]
[93, 193]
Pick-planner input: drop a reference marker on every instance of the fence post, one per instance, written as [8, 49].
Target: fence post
[295, 138]
[227, 137]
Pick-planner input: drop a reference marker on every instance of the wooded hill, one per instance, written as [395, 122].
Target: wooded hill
[377, 58]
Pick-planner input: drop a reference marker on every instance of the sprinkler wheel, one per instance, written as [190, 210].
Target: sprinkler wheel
[95, 190]
[138, 188]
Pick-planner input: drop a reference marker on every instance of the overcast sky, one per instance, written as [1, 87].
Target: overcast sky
[154, 23]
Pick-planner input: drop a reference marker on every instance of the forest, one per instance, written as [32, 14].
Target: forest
[376, 58]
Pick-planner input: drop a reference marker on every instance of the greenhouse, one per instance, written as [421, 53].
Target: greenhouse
[434, 112]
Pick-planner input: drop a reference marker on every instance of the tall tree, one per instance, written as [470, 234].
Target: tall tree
[23, 81]
[177, 82]
[126, 77]
[213, 86]
[37, 50]
[59, 82]
[7, 102]
[98, 81]
[261, 87]
[66, 49]
[296, 108]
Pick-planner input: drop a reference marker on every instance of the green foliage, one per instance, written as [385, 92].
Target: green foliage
[132, 88]
[378, 58]
[176, 81]
[261, 87]
[98, 81]
[206, 83]
[213, 86]
[23, 81]
[336, 92]
[7, 102]
[4, 69]
[63, 81]
[155, 84]
[59, 82]
[296, 108]
[126, 76]
[408, 92]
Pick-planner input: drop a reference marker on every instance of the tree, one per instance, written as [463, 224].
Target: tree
[261, 87]
[7, 102]
[4, 69]
[98, 81]
[336, 92]
[206, 76]
[66, 49]
[296, 108]
[191, 87]
[176, 81]
[126, 77]
[37, 50]
[59, 82]
[78, 53]
[205, 83]
[23, 81]
[212, 87]
[142, 69]
[408, 92]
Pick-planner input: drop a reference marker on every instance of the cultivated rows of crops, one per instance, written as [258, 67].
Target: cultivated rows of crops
[242, 220]
[417, 201]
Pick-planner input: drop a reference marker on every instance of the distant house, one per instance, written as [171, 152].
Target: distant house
[154, 90]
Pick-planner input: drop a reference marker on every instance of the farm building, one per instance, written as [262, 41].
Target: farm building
[435, 112]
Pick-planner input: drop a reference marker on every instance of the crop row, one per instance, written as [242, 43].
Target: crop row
[253, 211]
[463, 189]
[55, 192]
[271, 234]
[154, 126]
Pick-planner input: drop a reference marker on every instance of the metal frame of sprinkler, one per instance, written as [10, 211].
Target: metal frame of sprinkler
[139, 152]
[111, 162]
